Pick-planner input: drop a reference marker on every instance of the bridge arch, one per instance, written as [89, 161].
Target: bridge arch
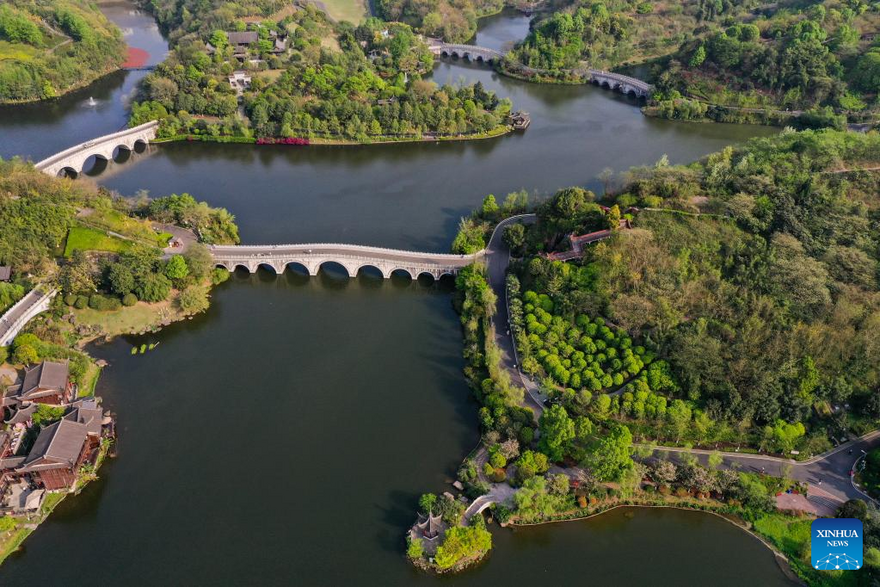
[399, 270]
[369, 269]
[244, 266]
[330, 266]
[296, 267]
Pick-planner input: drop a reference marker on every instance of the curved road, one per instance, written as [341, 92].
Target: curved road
[828, 472]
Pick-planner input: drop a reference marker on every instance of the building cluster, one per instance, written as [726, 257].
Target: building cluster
[37, 459]
[245, 49]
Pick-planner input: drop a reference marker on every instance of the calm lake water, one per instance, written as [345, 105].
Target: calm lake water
[284, 436]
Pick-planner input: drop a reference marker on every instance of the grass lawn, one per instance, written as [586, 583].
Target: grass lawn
[90, 379]
[19, 51]
[137, 318]
[354, 11]
[90, 239]
[116, 221]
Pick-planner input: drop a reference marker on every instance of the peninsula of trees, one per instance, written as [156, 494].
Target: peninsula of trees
[298, 77]
[48, 48]
[733, 303]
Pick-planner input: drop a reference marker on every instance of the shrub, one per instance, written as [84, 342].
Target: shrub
[103, 303]
[219, 275]
[25, 354]
[70, 299]
[81, 302]
[129, 299]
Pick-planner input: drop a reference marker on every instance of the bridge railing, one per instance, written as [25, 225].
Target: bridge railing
[225, 250]
[91, 143]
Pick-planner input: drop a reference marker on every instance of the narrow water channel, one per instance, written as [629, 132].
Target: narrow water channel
[284, 436]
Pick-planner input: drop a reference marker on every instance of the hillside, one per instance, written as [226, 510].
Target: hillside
[48, 48]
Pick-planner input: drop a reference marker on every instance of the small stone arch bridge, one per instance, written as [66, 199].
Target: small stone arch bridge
[352, 257]
[75, 158]
[620, 83]
[469, 52]
[606, 79]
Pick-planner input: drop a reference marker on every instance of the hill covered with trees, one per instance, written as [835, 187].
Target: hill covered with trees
[48, 48]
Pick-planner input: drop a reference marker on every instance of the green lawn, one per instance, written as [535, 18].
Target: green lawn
[354, 11]
[120, 223]
[19, 51]
[90, 239]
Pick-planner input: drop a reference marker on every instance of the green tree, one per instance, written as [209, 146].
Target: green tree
[25, 354]
[490, 207]
[176, 269]
[609, 457]
[557, 432]
[462, 542]
[77, 275]
[154, 287]
[414, 548]
[427, 502]
[194, 299]
[514, 236]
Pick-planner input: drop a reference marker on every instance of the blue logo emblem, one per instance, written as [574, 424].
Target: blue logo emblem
[836, 544]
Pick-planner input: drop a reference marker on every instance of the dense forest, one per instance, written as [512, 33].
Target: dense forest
[49, 47]
[748, 285]
[307, 79]
[749, 55]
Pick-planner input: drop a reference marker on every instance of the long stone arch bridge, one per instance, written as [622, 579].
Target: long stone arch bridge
[352, 257]
[75, 158]
[606, 79]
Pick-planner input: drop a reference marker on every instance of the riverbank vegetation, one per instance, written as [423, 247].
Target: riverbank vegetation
[49, 48]
[305, 78]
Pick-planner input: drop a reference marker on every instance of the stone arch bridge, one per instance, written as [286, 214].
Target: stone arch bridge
[352, 257]
[75, 158]
[606, 79]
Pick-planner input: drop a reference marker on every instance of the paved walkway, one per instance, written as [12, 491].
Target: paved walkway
[497, 260]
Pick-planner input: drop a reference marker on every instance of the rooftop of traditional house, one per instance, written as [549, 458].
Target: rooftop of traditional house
[89, 414]
[46, 379]
[5, 273]
[429, 526]
[22, 415]
[243, 38]
[58, 445]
